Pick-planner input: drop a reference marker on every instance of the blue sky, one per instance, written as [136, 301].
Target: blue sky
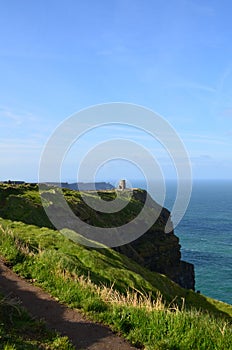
[58, 57]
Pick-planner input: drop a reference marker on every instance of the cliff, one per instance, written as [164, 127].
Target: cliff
[159, 251]
[155, 249]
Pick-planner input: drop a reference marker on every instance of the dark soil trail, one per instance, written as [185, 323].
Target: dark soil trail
[83, 333]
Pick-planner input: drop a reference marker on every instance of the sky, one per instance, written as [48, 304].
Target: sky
[59, 57]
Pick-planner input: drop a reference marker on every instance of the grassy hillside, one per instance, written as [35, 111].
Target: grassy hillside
[23, 203]
[155, 249]
[149, 309]
[145, 306]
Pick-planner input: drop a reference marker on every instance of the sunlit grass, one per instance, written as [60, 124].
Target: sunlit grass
[147, 308]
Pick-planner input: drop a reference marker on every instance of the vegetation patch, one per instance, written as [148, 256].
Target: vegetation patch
[147, 308]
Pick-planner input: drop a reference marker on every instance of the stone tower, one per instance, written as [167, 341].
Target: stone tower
[122, 185]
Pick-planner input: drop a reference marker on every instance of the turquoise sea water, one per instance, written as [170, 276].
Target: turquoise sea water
[205, 234]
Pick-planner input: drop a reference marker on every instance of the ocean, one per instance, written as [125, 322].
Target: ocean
[205, 234]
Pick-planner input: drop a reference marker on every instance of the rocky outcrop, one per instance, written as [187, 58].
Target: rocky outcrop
[159, 251]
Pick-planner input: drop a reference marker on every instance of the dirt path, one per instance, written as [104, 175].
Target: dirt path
[83, 333]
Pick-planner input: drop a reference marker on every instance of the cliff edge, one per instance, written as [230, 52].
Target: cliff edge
[156, 250]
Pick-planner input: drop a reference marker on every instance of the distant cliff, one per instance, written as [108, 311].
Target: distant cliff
[155, 249]
[83, 186]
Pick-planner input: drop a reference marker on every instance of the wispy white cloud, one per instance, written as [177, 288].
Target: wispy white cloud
[223, 101]
[17, 118]
[19, 144]
[206, 139]
[202, 158]
[188, 84]
[21, 125]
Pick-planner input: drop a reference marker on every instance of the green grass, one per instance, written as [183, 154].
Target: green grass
[23, 203]
[173, 330]
[144, 306]
[19, 331]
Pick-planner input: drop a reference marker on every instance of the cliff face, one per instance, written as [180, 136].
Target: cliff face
[159, 251]
[155, 249]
